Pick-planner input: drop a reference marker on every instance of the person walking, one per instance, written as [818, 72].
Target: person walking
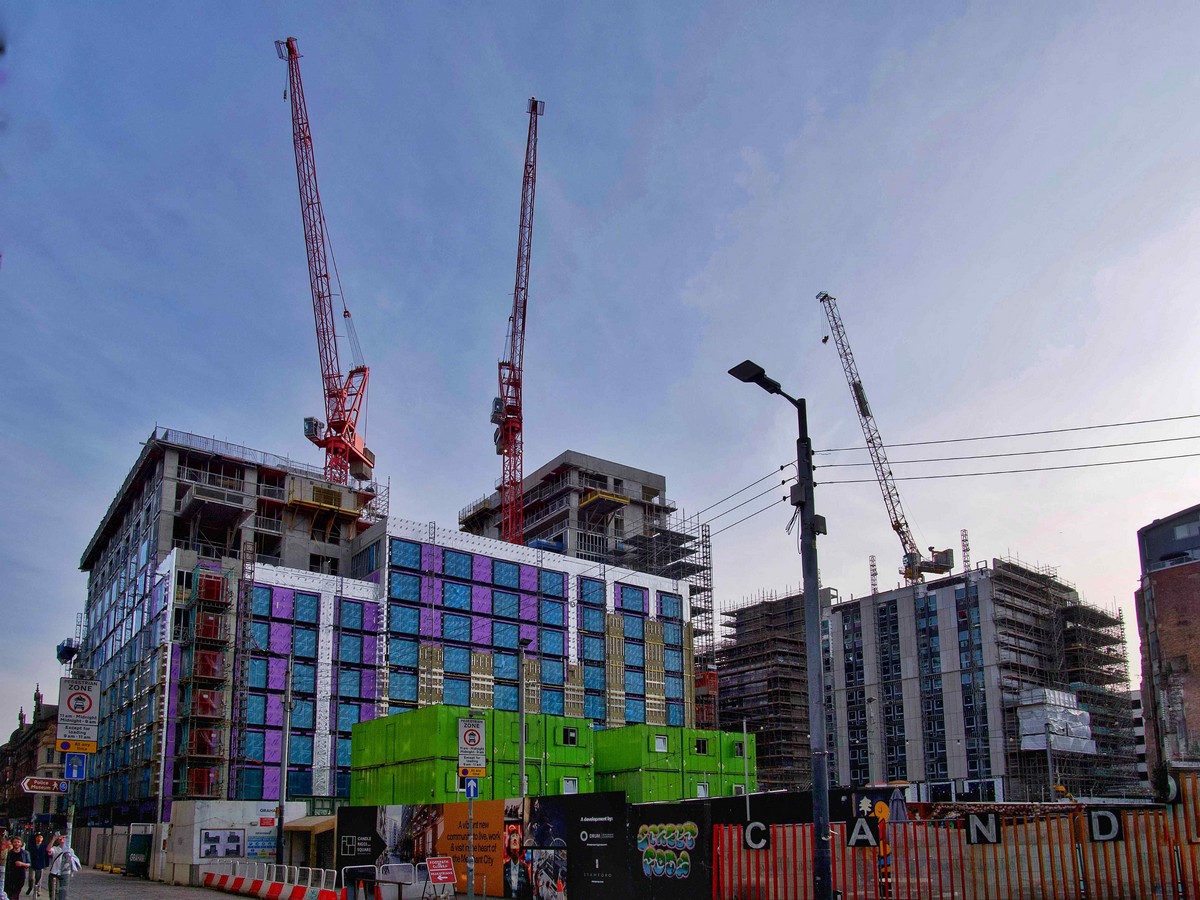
[39, 859]
[63, 865]
[15, 867]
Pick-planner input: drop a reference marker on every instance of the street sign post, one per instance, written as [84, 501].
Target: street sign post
[472, 788]
[472, 763]
[31, 785]
[78, 712]
[74, 766]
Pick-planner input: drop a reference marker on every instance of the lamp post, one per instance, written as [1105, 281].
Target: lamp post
[810, 526]
[523, 643]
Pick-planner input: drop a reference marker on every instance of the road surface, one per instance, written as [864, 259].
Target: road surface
[89, 884]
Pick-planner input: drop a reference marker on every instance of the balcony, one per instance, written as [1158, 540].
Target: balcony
[215, 504]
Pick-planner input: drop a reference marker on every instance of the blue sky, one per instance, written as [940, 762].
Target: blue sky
[1004, 199]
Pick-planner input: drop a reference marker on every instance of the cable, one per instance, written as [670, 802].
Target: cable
[751, 516]
[902, 462]
[751, 500]
[746, 488]
[994, 437]
[1115, 462]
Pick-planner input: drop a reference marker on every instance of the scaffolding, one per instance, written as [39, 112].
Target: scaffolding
[204, 679]
[763, 681]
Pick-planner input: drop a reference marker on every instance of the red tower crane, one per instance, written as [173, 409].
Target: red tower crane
[345, 452]
[506, 408]
[915, 565]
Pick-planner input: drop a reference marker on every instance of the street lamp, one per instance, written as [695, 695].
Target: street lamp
[524, 644]
[810, 526]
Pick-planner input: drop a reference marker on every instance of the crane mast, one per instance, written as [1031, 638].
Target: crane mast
[915, 565]
[507, 414]
[346, 453]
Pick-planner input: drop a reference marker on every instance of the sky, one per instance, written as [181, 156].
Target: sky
[1004, 198]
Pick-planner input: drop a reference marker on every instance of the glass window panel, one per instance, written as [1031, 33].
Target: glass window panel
[593, 648]
[404, 619]
[457, 692]
[506, 697]
[343, 751]
[592, 619]
[256, 709]
[672, 606]
[672, 634]
[403, 653]
[303, 712]
[352, 615]
[504, 665]
[456, 564]
[635, 710]
[349, 683]
[456, 628]
[505, 634]
[551, 643]
[307, 607]
[552, 613]
[674, 687]
[675, 714]
[403, 586]
[350, 648]
[457, 660]
[347, 716]
[258, 673]
[673, 660]
[593, 677]
[633, 599]
[552, 703]
[552, 672]
[255, 745]
[304, 643]
[304, 678]
[505, 573]
[261, 632]
[300, 750]
[261, 604]
[402, 686]
[635, 683]
[593, 707]
[506, 605]
[406, 554]
[591, 591]
[456, 596]
[252, 784]
[635, 655]
[552, 583]
[635, 627]
[299, 784]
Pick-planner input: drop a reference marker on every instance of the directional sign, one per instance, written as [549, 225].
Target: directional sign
[441, 870]
[74, 766]
[472, 788]
[76, 746]
[33, 785]
[78, 709]
[472, 749]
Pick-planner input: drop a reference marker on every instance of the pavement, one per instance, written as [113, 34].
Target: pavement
[89, 884]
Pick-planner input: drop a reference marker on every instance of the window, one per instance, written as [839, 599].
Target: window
[403, 653]
[406, 554]
[593, 707]
[252, 784]
[505, 573]
[635, 655]
[402, 686]
[570, 737]
[304, 643]
[300, 750]
[456, 628]
[456, 564]
[456, 596]
[261, 604]
[551, 642]
[307, 608]
[592, 619]
[258, 674]
[593, 648]
[635, 627]
[739, 789]
[365, 561]
[674, 687]
[552, 671]
[702, 746]
[255, 746]
[673, 660]
[660, 743]
[457, 660]
[349, 683]
[256, 709]
[299, 784]
[552, 583]
[504, 665]
[261, 635]
[404, 619]
[633, 598]
[591, 592]
[675, 715]
[739, 749]
[302, 714]
[347, 716]
[350, 647]
[505, 634]
[593, 677]
[672, 606]
[343, 751]
[570, 785]
[635, 710]
[635, 682]
[506, 605]
[505, 697]
[552, 613]
[402, 586]
[672, 634]
[702, 789]
[552, 702]
[352, 615]
[457, 692]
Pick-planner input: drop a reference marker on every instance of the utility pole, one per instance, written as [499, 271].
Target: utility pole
[285, 751]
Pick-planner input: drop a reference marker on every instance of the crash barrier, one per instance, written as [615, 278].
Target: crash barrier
[396, 881]
[268, 881]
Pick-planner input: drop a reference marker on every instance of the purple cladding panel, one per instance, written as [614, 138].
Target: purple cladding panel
[369, 649]
[281, 638]
[275, 710]
[529, 579]
[283, 603]
[481, 631]
[529, 608]
[481, 598]
[431, 558]
[531, 632]
[371, 620]
[277, 674]
[272, 746]
[368, 685]
[433, 596]
[429, 622]
[366, 712]
[481, 568]
[270, 784]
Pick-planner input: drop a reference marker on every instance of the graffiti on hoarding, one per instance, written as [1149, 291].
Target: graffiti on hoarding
[666, 849]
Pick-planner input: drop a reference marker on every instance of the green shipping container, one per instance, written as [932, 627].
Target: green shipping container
[643, 787]
[732, 752]
[647, 747]
[701, 752]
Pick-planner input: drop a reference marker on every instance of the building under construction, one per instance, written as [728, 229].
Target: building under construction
[763, 677]
[997, 683]
[617, 515]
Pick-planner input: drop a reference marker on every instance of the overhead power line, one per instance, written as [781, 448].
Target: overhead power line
[751, 516]
[1017, 434]
[1090, 465]
[932, 459]
[746, 488]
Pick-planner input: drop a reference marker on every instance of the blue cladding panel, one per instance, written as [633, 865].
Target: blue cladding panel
[261, 632]
[551, 583]
[593, 707]
[455, 564]
[675, 714]
[343, 751]
[258, 675]
[402, 586]
[635, 710]
[506, 697]
[456, 596]
[304, 678]
[302, 714]
[347, 716]
[551, 643]
[673, 660]
[593, 648]
[300, 784]
[552, 703]
[307, 608]
[635, 627]
[404, 619]
[506, 605]
[633, 598]
[504, 665]
[674, 687]
[304, 643]
[635, 655]
[350, 648]
[300, 750]
[349, 683]
[635, 683]
[504, 634]
[261, 605]
[552, 672]
[255, 744]
[593, 677]
[672, 634]
[456, 628]
[672, 606]
[403, 653]
[457, 660]
[457, 692]
[592, 619]
[552, 613]
[352, 615]
[506, 573]
[591, 591]
[402, 686]
[256, 709]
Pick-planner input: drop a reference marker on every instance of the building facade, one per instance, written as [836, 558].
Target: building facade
[958, 685]
[221, 577]
[1166, 600]
[32, 751]
[609, 513]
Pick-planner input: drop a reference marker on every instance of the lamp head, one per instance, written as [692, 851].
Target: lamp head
[752, 373]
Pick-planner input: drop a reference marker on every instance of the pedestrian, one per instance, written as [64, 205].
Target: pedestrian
[15, 867]
[39, 859]
[63, 865]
